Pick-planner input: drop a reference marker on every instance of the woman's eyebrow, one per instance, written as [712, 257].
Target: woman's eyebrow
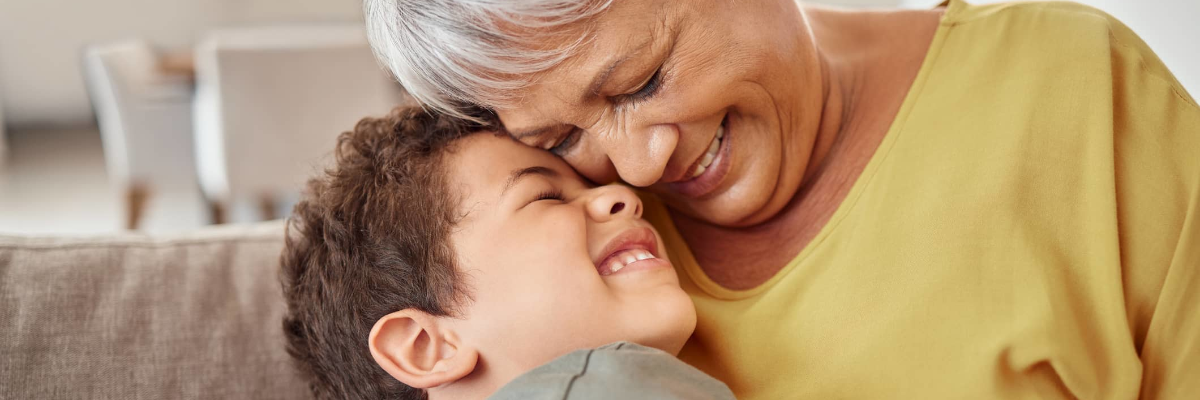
[523, 172]
[539, 131]
[601, 78]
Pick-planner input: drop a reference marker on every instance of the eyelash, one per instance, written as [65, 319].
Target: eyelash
[644, 93]
[550, 195]
[561, 148]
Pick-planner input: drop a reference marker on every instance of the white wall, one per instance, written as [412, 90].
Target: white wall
[1170, 27]
[41, 42]
[858, 3]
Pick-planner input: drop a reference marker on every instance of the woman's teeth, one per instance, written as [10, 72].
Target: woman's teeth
[711, 153]
[627, 257]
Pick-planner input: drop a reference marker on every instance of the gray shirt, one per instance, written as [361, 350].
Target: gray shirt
[619, 370]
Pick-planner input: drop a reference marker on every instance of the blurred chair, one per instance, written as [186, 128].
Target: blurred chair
[146, 130]
[270, 103]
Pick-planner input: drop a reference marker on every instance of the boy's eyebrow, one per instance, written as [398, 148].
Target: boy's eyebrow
[523, 172]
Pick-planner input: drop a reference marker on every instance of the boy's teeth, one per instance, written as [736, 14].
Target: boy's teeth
[628, 257]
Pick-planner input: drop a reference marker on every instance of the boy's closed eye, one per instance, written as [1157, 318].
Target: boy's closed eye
[553, 194]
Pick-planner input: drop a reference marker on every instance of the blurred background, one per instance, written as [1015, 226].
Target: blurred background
[168, 115]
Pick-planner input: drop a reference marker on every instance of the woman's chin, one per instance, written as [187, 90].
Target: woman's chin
[729, 209]
[749, 195]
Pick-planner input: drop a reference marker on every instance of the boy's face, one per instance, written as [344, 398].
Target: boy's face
[552, 264]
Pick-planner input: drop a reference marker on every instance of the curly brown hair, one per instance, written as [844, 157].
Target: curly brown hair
[368, 238]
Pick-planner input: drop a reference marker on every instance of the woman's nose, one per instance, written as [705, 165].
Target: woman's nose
[640, 155]
[614, 201]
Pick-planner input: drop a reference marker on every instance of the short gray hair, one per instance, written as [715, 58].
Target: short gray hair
[454, 54]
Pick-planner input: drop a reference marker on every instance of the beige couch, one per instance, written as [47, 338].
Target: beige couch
[136, 317]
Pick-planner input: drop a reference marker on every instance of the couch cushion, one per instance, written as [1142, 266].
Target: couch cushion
[136, 317]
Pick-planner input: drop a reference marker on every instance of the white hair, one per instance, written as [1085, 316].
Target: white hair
[452, 54]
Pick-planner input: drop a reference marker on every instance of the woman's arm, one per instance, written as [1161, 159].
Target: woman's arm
[1157, 150]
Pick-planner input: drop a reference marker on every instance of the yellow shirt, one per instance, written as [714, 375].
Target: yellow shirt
[1028, 228]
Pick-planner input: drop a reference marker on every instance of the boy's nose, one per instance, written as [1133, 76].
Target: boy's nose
[614, 201]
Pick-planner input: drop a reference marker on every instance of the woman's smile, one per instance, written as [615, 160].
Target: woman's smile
[710, 169]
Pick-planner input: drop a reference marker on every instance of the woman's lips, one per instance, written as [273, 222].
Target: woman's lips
[633, 249]
[711, 176]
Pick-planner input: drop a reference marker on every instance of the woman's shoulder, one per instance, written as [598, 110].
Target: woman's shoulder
[1048, 39]
[1060, 21]
[1065, 76]
[1050, 12]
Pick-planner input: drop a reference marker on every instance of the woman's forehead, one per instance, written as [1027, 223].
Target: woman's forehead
[615, 36]
[618, 40]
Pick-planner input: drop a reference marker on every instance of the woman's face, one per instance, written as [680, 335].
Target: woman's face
[712, 104]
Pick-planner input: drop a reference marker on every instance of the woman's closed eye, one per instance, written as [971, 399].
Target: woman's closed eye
[644, 92]
[568, 141]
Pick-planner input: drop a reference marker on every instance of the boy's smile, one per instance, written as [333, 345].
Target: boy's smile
[633, 250]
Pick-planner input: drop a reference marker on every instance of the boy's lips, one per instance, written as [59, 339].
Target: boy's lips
[633, 247]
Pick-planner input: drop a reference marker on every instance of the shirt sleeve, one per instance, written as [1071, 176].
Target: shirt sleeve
[1157, 153]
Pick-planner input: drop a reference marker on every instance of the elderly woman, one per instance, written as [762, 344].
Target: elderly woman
[962, 202]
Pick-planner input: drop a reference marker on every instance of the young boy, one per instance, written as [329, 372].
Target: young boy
[440, 260]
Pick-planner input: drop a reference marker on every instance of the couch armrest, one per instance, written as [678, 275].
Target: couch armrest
[132, 316]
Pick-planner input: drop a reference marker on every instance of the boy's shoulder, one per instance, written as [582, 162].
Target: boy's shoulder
[620, 370]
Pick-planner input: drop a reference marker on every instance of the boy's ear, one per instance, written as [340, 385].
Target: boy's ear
[417, 348]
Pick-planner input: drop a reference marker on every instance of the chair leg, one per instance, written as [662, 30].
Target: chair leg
[135, 199]
[216, 212]
[266, 207]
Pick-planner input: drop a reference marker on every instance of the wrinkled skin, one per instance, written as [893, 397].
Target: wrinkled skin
[803, 95]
